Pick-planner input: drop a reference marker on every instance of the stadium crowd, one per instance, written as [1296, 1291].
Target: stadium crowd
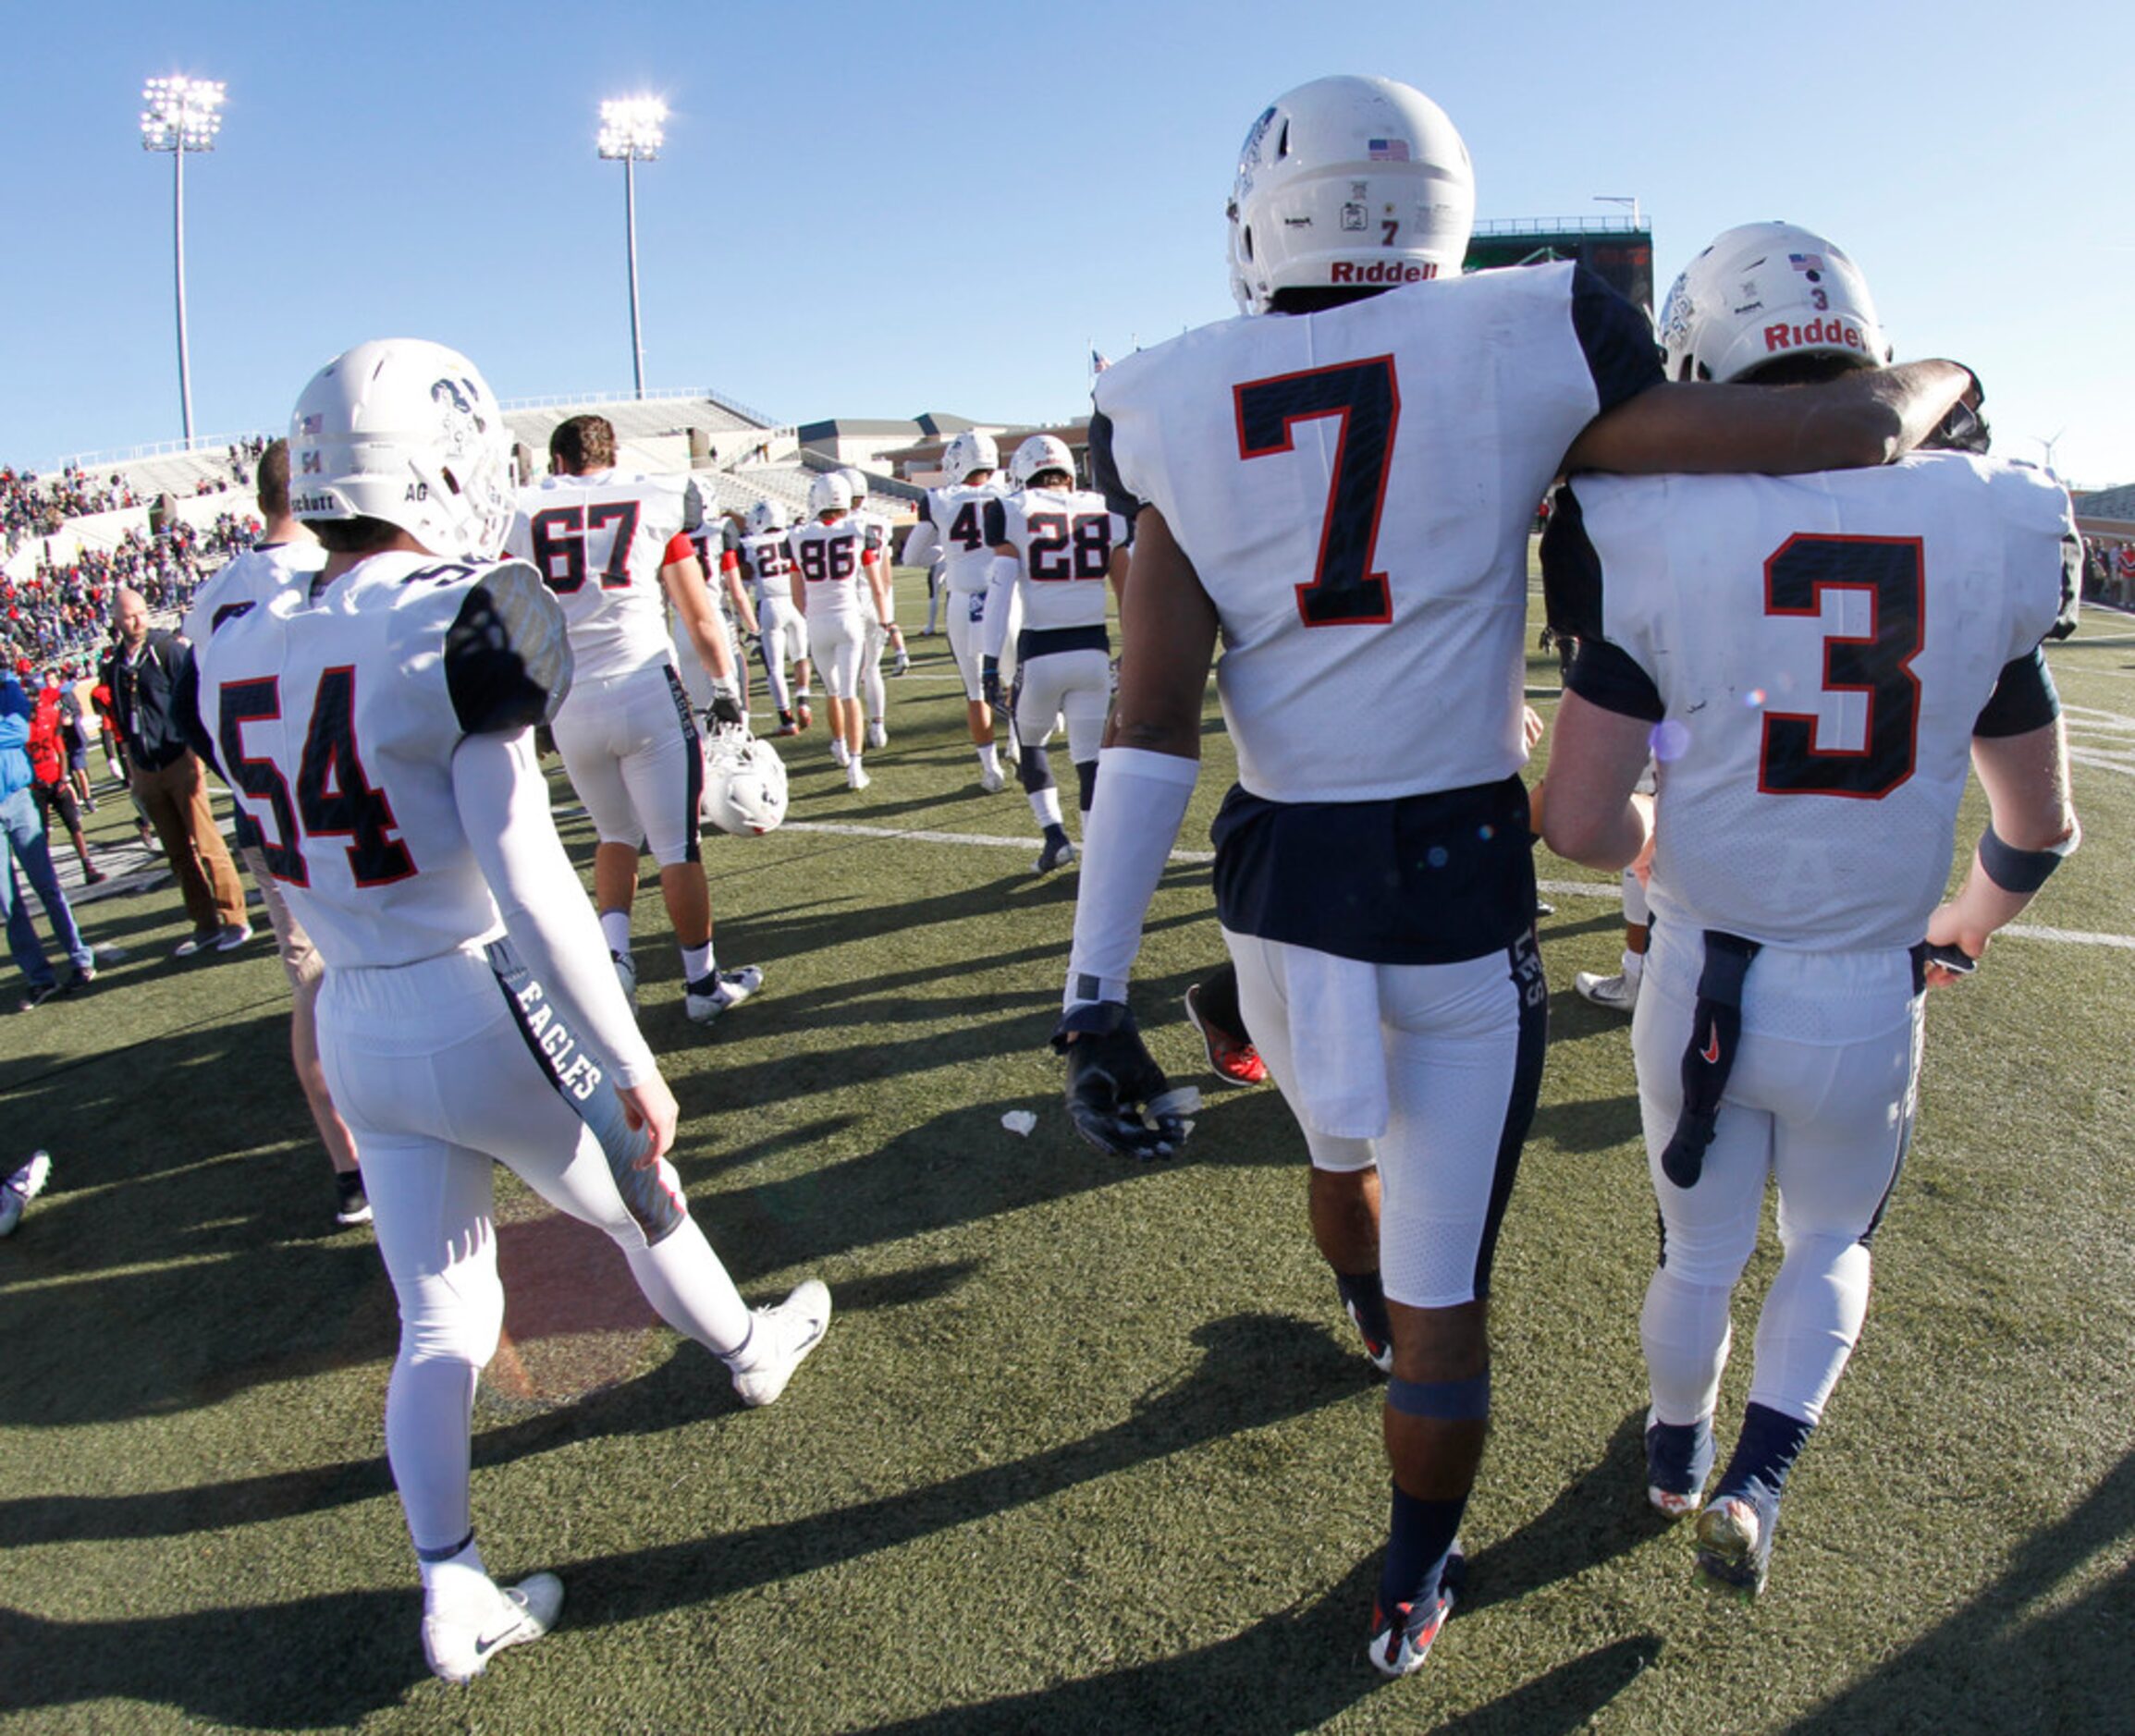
[61, 613]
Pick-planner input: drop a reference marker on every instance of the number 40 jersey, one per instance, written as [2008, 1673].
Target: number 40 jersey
[1816, 653]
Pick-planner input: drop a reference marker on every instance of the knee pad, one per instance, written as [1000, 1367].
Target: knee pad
[1085, 783]
[1036, 770]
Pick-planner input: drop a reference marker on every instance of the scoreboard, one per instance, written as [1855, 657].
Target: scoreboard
[1620, 253]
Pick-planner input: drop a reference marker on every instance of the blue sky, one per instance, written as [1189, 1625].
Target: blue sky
[877, 210]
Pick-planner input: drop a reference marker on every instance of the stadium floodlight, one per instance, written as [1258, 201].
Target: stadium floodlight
[182, 114]
[633, 128]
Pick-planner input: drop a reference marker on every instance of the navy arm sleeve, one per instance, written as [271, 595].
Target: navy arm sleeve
[507, 658]
[1571, 571]
[2024, 699]
[1616, 337]
[996, 523]
[1603, 675]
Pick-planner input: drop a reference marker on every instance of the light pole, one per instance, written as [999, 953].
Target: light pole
[182, 114]
[632, 129]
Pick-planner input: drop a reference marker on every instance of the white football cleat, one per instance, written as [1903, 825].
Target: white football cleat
[783, 1336]
[460, 1648]
[709, 997]
[992, 780]
[1618, 993]
[840, 752]
[878, 734]
[20, 1188]
[857, 775]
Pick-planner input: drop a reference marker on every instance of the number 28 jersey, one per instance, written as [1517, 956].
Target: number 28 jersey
[1355, 488]
[1816, 653]
[1064, 539]
[334, 722]
[599, 542]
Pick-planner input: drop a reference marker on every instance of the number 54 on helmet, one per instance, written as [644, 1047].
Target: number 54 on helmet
[744, 784]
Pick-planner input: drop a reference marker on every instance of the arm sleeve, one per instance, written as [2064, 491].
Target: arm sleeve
[679, 548]
[1571, 570]
[1604, 675]
[507, 658]
[2024, 699]
[1616, 339]
[1000, 589]
[1125, 844]
[503, 803]
[996, 521]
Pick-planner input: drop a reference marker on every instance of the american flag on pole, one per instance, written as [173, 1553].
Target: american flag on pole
[1099, 362]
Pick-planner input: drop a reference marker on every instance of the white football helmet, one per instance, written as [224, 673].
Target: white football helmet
[970, 451]
[857, 481]
[744, 784]
[829, 492]
[1038, 453]
[406, 431]
[764, 516]
[1349, 181]
[1763, 291]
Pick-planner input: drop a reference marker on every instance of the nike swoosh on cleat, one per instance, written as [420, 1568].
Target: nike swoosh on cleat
[483, 1648]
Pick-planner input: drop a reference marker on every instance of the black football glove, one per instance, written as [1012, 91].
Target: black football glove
[725, 711]
[1110, 1081]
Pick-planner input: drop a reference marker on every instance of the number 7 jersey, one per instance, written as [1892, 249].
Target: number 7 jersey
[1355, 488]
[1816, 653]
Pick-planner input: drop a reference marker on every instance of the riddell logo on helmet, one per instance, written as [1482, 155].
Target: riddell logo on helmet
[1831, 331]
[1382, 271]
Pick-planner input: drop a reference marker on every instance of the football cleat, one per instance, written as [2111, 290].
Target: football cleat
[1618, 993]
[991, 779]
[351, 1207]
[1401, 1641]
[22, 1187]
[1381, 1356]
[1678, 1460]
[626, 973]
[801, 714]
[903, 663]
[708, 996]
[1734, 1544]
[786, 727]
[878, 734]
[1230, 1057]
[789, 1331]
[839, 753]
[857, 775]
[1058, 852]
[460, 1649]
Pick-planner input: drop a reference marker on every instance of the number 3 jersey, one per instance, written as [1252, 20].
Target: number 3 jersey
[1355, 488]
[335, 721]
[599, 542]
[1816, 653]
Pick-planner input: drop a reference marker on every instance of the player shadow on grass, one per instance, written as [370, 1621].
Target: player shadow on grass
[263, 1666]
[2062, 1667]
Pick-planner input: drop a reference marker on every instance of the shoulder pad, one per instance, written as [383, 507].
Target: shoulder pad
[507, 657]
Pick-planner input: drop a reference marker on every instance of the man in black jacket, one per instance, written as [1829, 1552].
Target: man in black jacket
[145, 670]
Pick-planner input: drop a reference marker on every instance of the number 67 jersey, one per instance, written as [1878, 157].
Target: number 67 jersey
[335, 722]
[1816, 653]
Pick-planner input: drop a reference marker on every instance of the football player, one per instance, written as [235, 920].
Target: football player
[1055, 547]
[1342, 485]
[377, 728]
[873, 694]
[952, 527]
[608, 543]
[765, 562]
[286, 558]
[714, 545]
[1811, 662]
[845, 587]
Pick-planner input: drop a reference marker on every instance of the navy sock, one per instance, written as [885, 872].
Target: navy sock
[1361, 1291]
[1764, 1452]
[1417, 1536]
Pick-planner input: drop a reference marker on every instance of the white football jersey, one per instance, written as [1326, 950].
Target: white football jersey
[599, 542]
[1063, 540]
[958, 515]
[767, 566]
[1355, 488]
[1822, 646]
[829, 559]
[335, 721]
[255, 576]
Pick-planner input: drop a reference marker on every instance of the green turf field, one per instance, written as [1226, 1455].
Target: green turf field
[1089, 1447]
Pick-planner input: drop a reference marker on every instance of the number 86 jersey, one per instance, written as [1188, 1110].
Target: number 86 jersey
[1355, 488]
[335, 722]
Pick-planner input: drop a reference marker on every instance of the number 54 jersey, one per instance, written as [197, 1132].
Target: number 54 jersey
[1355, 488]
[334, 722]
[1816, 653]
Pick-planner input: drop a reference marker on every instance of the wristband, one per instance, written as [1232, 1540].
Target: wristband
[2019, 871]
